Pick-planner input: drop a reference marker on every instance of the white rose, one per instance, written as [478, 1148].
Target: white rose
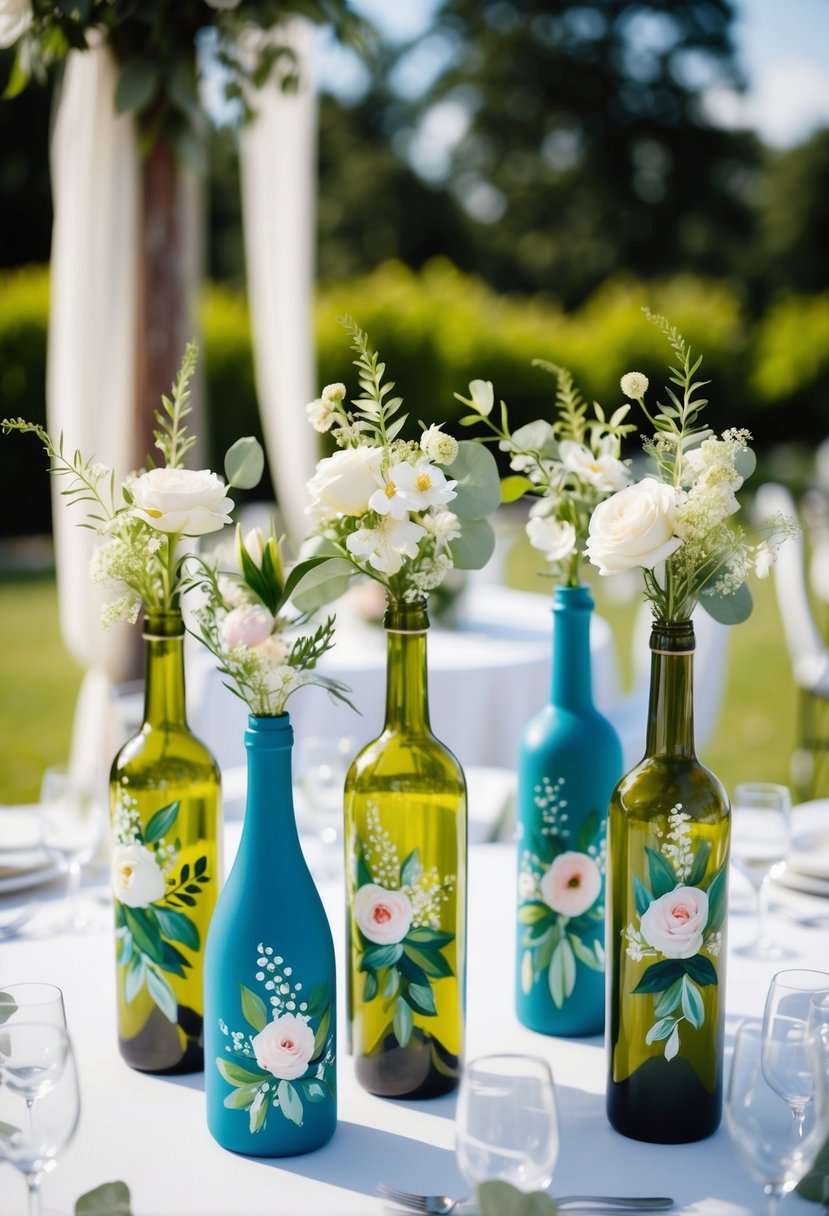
[285, 1046]
[344, 482]
[136, 879]
[189, 501]
[674, 923]
[247, 625]
[634, 527]
[383, 916]
[15, 19]
[554, 537]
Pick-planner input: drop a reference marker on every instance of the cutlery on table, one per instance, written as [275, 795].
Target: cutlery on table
[444, 1205]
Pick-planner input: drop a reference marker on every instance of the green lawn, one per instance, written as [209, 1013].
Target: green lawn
[40, 682]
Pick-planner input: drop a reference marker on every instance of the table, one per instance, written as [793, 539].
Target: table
[487, 678]
[151, 1131]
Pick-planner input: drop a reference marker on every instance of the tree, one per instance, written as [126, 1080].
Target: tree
[794, 222]
[586, 147]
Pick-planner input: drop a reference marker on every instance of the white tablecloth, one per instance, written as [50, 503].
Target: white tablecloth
[151, 1131]
[487, 678]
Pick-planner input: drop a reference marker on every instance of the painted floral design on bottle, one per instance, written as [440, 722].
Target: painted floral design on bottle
[396, 909]
[680, 911]
[561, 894]
[286, 1054]
[150, 891]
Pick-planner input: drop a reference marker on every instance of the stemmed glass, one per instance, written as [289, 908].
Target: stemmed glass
[322, 764]
[787, 1064]
[33, 1001]
[39, 1100]
[72, 830]
[760, 832]
[507, 1126]
[775, 1149]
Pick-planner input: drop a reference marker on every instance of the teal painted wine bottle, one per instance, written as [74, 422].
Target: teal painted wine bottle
[570, 760]
[270, 988]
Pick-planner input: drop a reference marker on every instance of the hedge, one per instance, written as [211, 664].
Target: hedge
[437, 329]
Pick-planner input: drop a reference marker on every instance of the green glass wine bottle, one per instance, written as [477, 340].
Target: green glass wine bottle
[166, 866]
[668, 842]
[405, 841]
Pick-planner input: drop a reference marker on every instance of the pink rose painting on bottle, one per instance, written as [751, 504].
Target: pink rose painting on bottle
[680, 911]
[399, 942]
[285, 1055]
[560, 895]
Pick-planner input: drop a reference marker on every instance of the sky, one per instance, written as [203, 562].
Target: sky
[783, 49]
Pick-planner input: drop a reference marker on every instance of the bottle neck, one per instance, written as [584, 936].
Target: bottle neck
[572, 685]
[407, 694]
[671, 706]
[270, 830]
[164, 701]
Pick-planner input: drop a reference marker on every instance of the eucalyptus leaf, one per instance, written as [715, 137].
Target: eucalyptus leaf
[236, 1075]
[245, 463]
[8, 1005]
[478, 491]
[402, 1022]
[161, 822]
[136, 85]
[745, 462]
[498, 1198]
[108, 1199]
[475, 545]
[322, 584]
[731, 609]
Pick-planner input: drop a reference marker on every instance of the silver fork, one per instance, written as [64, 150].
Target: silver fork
[444, 1205]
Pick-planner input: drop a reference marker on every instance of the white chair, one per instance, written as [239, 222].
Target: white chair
[629, 715]
[807, 651]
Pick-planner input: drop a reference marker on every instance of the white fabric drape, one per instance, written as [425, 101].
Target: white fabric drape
[278, 174]
[90, 375]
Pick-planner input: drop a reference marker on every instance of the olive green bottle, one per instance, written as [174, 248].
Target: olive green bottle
[166, 866]
[668, 842]
[405, 841]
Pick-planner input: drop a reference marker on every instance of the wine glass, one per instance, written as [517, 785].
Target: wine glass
[72, 817]
[322, 764]
[774, 1148]
[787, 1065]
[34, 1001]
[507, 1126]
[39, 1100]
[760, 833]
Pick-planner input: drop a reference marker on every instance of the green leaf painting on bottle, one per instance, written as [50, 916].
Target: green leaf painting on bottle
[680, 908]
[399, 941]
[151, 891]
[285, 1055]
[561, 895]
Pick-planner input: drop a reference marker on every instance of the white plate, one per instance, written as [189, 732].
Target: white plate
[809, 852]
[23, 861]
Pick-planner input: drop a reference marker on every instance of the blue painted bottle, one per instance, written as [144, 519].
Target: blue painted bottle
[570, 760]
[270, 987]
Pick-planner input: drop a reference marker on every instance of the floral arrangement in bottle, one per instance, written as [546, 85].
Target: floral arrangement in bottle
[248, 623]
[278, 1056]
[569, 464]
[404, 512]
[678, 522]
[142, 520]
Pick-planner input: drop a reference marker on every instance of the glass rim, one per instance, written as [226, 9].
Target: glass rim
[56, 992]
[489, 1057]
[810, 971]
